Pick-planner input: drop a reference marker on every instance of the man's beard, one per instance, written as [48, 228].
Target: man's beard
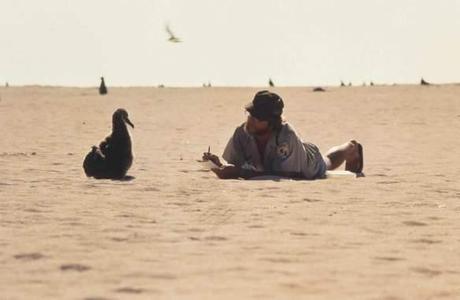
[256, 132]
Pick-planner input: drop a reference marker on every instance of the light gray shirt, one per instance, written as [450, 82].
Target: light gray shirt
[285, 152]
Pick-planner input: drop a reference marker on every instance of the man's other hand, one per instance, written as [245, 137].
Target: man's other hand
[227, 172]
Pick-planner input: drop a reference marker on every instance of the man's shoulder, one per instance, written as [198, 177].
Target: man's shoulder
[288, 130]
[240, 131]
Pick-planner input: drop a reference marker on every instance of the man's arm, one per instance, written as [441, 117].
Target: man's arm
[234, 172]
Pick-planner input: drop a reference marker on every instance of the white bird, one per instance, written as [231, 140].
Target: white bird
[172, 37]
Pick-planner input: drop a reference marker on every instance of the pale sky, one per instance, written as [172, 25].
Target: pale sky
[228, 42]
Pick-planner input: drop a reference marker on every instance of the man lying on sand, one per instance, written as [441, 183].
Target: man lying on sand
[266, 145]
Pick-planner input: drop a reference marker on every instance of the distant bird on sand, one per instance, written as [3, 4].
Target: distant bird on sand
[319, 89]
[113, 158]
[423, 82]
[342, 83]
[172, 37]
[270, 82]
[102, 87]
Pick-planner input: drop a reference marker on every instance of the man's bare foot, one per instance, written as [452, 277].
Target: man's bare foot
[355, 160]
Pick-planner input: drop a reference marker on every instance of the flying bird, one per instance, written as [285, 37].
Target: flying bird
[172, 37]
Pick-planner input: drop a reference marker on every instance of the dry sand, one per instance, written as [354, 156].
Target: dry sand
[177, 232]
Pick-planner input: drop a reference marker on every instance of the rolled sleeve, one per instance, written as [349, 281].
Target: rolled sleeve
[230, 154]
[234, 151]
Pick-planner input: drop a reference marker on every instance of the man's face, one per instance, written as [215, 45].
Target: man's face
[256, 127]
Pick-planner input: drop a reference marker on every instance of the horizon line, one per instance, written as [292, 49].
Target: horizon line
[159, 86]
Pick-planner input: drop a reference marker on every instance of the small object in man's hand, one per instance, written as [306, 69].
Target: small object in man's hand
[207, 156]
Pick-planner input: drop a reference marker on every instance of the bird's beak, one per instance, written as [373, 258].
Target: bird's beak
[129, 122]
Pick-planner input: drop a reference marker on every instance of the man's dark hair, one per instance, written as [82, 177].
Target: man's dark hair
[276, 123]
[266, 106]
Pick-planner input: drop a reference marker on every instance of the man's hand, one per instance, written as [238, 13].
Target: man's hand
[227, 172]
[213, 158]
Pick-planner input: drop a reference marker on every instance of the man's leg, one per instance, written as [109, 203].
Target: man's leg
[349, 153]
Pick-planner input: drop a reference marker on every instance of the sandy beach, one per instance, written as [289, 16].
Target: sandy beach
[177, 232]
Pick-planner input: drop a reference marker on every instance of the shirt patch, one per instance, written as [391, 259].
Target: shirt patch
[282, 151]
